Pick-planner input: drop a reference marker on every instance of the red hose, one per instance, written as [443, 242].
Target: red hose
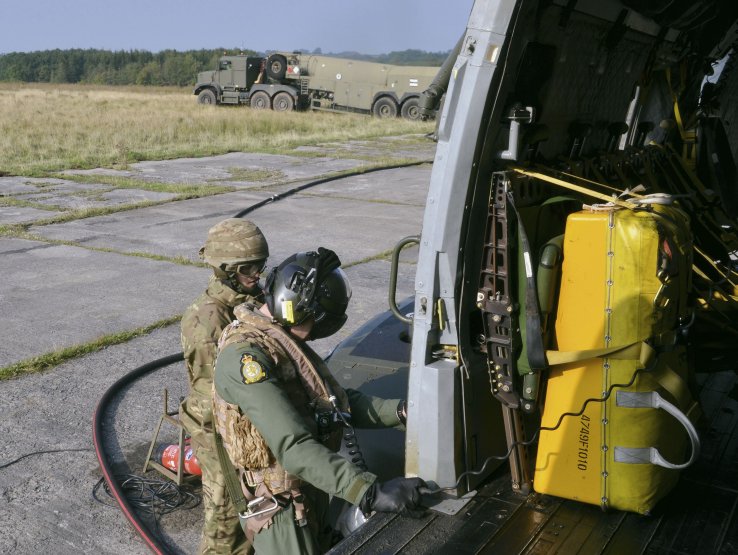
[97, 439]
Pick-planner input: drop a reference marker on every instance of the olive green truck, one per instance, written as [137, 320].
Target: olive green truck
[289, 81]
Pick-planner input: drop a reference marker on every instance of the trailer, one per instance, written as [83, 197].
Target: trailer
[296, 81]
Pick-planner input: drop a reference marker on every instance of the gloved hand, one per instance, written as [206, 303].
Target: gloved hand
[327, 262]
[402, 411]
[399, 495]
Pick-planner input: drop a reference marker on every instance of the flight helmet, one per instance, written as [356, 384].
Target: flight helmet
[309, 284]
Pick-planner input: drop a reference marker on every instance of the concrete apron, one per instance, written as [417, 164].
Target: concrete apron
[59, 295]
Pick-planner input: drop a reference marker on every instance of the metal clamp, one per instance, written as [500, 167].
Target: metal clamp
[254, 504]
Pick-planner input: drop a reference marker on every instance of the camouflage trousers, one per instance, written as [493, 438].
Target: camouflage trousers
[222, 533]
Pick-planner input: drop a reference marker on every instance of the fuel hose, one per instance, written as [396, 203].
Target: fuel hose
[299, 188]
[98, 427]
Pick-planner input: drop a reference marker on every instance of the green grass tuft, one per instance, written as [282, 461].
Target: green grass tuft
[50, 360]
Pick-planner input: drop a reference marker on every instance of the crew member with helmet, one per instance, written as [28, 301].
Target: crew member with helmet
[278, 413]
[237, 251]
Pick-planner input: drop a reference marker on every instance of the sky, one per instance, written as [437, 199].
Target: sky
[366, 26]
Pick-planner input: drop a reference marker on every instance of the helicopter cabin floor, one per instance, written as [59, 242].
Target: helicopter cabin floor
[700, 516]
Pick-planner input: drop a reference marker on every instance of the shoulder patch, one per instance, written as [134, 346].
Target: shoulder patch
[251, 370]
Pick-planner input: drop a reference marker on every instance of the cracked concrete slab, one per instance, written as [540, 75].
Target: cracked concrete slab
[116, 197]
[395, 186]
[24, 214]
[68, 276]
[222, 168]
[56, 296]
[64, 187]
[18, 185]
[62, 195]
[397, 147]
[355, 228]
[173, 229]
[53, 490]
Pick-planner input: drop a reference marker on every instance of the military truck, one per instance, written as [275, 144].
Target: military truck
[556, 113]
[288, 81]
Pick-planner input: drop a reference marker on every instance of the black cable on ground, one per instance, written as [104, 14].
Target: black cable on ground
[154, 496]
[97, 439]
[299, 188]
[44, 452]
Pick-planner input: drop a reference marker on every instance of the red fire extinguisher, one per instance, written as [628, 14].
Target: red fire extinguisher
[168, 456]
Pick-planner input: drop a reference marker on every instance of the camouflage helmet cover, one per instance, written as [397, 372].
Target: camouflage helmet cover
[232, 242]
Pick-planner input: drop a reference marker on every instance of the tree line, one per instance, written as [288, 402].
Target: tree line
[140, 67]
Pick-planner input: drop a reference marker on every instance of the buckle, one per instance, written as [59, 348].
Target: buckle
[257, 507]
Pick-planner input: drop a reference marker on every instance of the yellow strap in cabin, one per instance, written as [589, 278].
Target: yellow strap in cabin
[689, 138]
[669, 380]
[640, 350]
[577, 188]
[633, 192]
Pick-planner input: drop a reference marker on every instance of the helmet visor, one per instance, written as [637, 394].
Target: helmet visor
[326, 325]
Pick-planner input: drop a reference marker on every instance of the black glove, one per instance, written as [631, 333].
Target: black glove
[402, 412]
[399, 495]
[327, 262]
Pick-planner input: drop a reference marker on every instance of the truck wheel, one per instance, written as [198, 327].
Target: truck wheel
[410, 109]
[260, 101]
[276, 67]
[206, 96]
[283, 102]
[385, 107]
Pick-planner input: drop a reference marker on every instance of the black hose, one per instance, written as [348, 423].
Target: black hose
[97, 440]
[299, 188]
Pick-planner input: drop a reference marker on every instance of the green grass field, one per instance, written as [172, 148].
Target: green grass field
[48, 128]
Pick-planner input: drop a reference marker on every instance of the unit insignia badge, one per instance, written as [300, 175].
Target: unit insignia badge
[251, 371]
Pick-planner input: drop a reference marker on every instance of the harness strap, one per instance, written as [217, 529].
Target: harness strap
[274, 495]
[296, 353]
[232, 482]
[275, 477]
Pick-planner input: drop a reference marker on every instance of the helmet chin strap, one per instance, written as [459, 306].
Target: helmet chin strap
[230, 279]
[220, 274]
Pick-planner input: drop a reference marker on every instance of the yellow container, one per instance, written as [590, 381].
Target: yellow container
[624, 280]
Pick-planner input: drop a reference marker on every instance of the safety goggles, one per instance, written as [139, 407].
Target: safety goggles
[251, 269]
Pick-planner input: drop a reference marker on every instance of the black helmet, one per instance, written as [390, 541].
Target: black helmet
[309, 284]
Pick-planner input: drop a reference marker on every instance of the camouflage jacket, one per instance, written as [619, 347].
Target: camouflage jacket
[202, 324]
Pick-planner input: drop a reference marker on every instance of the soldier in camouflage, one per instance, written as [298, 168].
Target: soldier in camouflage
[237, 251]
[279, 414]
